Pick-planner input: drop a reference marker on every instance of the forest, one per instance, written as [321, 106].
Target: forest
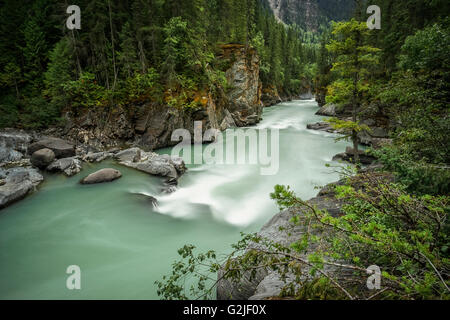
[392, 212]
[127, 51]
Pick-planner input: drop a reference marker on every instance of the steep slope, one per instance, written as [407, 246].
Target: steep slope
[310, 14]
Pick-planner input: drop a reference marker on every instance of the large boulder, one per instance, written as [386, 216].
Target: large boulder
[61, 148]
[15, 139]
[158, 167]
[379, 132]
[324, 126]
[9, 155]
[176, 162]
[152, 163]
[17, 183]
[69, 166]
[328, 110]
[129, 155]
[101, 176]
[42, 158]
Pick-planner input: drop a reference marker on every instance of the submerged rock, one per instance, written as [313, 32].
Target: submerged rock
[101, 176]
[70, 166]
[17, 183]
[61, 148]
[147, 198]
[42, 158]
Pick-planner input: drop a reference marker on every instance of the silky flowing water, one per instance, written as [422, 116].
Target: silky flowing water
[123, 244]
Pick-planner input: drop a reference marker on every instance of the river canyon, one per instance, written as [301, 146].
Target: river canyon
[123, 243]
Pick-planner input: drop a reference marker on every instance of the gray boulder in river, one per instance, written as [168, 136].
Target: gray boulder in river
[17, 183]
[152, 163]
[42, 158]
[103, 175]
[9, 155]
[129, 155]
[15, 139]
[61, 148]
[70, 166]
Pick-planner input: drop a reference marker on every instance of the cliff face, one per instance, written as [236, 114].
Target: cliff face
[243, 76]
[150, 125]
[309, 14]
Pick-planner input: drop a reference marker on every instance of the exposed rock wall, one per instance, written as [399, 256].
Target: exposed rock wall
[150, 124]
[310, 14]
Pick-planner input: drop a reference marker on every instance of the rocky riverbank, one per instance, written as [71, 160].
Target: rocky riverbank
[266, 283]
[25, 156]
[149, 124]
[97, 135]
[130, 131]
[379, 124]
[378, 134]
[263, 283]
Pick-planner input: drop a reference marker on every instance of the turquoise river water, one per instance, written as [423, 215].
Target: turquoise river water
[122, 244]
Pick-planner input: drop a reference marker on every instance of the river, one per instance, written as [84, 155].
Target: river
[123, 244]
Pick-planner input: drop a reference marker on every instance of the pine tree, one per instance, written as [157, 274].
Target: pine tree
[59, 72]
[354, 62]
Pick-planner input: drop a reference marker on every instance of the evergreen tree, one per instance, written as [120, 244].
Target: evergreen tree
[354, 62]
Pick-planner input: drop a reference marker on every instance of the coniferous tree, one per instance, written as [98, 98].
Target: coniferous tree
[354, 62]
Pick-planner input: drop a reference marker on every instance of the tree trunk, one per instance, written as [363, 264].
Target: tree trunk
[17, 89]
[355, 148]
[112, 45]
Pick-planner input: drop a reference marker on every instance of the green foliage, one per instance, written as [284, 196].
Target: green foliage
[427, 49]
[353, 62]
[11, 76]
[347, 128]
[59, 72]
[406, 236]
[9, 111]
[85, 92]
[139, 85]
[418, 93]
[171, 289]
[176, 45]
[419, 176]
[401, 19]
